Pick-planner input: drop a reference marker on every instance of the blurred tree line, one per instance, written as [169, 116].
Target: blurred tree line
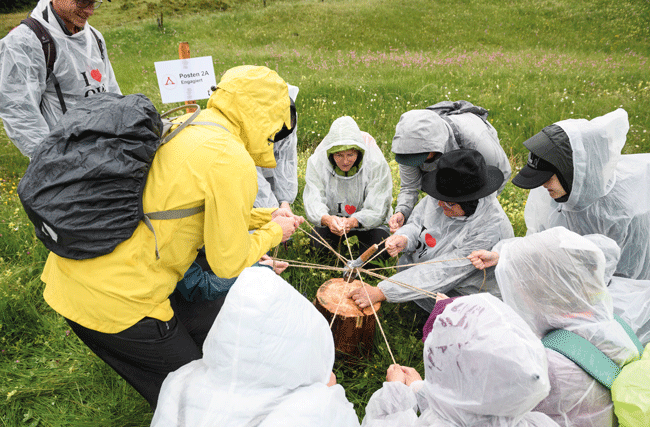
[8, 6]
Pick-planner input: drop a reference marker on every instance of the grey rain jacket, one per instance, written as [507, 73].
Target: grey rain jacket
[434, 236]
[610, 192]
[366, 195]
[420, 131]
[29, 106]
[483, 367]
[280, 184]
[556, 279]
[266, 362]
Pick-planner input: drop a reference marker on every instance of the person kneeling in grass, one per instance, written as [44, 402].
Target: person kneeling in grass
[267, 361]
[348, 187]
[483, 367]
[460, 214]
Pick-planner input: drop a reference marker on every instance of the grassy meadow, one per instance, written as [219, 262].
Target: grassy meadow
[529, 63]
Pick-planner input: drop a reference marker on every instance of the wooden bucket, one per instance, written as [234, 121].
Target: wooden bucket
[353, 329]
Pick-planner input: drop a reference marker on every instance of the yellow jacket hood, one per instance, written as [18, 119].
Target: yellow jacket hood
[256, 102]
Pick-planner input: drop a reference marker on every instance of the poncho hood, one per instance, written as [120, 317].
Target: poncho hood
[555, 279]
[267, 361]
[596, 148]
[422, 131]
[344, 134]
[483, 364]
[255, 100]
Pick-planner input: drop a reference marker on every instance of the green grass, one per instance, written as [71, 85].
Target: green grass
[530, 64]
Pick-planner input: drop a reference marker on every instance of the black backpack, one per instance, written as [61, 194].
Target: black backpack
[83, 187]
[449, 108]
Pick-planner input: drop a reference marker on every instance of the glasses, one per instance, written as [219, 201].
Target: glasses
[83, 4]
[449, 205]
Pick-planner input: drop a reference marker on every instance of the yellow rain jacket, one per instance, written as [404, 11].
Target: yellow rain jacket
[202, 165]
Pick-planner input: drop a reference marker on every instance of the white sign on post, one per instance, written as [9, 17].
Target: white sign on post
[185, 79]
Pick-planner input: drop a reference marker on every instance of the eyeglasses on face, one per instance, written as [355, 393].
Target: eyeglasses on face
[83, 4]
[448, 205]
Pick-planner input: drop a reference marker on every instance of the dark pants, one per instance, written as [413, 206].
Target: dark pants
[367, 238]
[146, 352]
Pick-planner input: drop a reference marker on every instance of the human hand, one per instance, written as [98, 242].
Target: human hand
[483, 259]
[332, 380]
[278, 266]
[396, 222]
[286, 205]
[410, 375]
[287, 213]
[395, 244]
[349, 223]
[288, 225]
[360, 297]
[334, 223]
[394, 373]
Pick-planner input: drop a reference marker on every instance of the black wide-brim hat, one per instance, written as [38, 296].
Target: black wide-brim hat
[462, 175]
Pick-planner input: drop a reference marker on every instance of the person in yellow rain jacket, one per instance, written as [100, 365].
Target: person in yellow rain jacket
[123, 305]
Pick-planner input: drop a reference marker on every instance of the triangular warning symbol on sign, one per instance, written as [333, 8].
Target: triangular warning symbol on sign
[169, 81]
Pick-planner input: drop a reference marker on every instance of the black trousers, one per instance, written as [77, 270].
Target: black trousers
[149, 350]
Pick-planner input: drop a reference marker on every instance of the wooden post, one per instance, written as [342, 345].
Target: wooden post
[184, 53]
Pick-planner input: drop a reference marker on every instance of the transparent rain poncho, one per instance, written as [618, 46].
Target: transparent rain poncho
[432, 236]
[420, 131]
[556, 279]
[280, 184]
[366, 195]
[610, 193]
[630, 297]
[266, 362]
[483, 367]
[29, 106]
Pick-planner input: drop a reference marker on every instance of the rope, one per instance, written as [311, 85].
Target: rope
[420, 263]
[322, 241]
[363, 285]
[437, 296]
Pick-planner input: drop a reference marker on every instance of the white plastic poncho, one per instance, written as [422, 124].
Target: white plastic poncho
[630, 297]
[420, 131]
[280, 184]
[610, 193]
[367, 195]
[432, 236]
[266, 362]
[483, 367]
[29, 105]
[555, 279]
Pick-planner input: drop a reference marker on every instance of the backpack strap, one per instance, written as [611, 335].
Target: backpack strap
[584, 354]
[99, 42]
[49, 50]
[176, 213]
[631, 334]
[171, 214]
[454, 129]
[167, 124]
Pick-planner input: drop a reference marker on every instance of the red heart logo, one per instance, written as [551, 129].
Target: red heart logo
[430, 240]
[95, 74]
[350, 209]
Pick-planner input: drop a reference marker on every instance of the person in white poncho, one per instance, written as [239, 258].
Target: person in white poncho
[348, 186]
[460, 215]
[29, 103]
[267, 361]
[582, 182]
[278, 187]
[556, 279]
[422, 136]
[483, 367]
